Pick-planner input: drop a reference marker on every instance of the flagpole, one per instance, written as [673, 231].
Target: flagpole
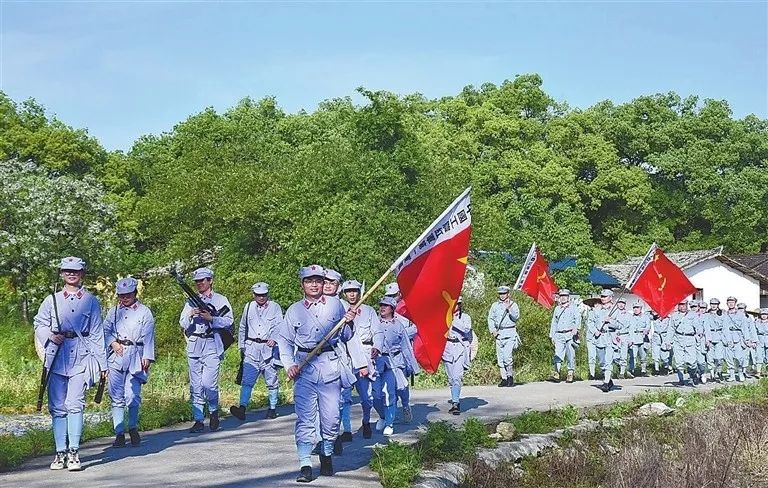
[378, 282]
[525, 265]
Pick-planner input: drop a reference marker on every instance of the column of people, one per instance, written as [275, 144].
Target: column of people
[372, 353]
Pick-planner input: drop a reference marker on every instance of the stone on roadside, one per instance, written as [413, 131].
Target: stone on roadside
[655, 409]
[495, 435]
[680, 402]
[507, 431]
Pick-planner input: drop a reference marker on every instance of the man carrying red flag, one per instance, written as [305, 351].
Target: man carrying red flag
[660, 282]
[430, 275]
[534, 279]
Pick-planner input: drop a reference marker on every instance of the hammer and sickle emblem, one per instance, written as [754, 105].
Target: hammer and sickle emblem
[541, 277]
[663, 282]
[449, 314]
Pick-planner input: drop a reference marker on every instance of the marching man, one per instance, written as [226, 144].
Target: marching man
[365, 324]
[68, 324]
[129, 329]
[255, 338]
[457, 354]
[317, 386]
[562, 331]
[502, 322]
[395, 361]
[205, 350]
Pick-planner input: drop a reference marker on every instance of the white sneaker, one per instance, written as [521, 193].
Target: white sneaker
[73, 460]
[379, 424]
[407, 415]
[60, 461]
[388, 431]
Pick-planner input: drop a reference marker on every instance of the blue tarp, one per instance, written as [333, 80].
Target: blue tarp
[596, 275]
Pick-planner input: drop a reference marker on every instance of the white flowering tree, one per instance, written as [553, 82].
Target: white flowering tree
[45, 216]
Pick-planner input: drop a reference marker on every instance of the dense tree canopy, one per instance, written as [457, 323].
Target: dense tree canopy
[351, 185]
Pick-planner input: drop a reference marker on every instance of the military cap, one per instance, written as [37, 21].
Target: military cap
[126, 285]
[388, 301]
[72, 263]
[741, 306]
[621, 300]
[391, 289]
[637, 305]
[502, 289]
[764, 311]
[606, 293]
[202, 273]
[260, 288]
[730, 299]
[351, 285]
[693, 303]
[311, 270]
[460, 299]
[714, 301]
[564, 292]
[332, 274]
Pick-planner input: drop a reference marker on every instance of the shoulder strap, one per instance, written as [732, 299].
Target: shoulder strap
[247, 313]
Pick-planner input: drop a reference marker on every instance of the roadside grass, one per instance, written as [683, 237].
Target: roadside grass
[398, 464]
[535, 422]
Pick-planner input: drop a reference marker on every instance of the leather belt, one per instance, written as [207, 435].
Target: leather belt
[204, 335]
[454, 340]
[368, 343]
[72, 335]
[257, 341]
[689, 335]
[393, 354]
[310, 349]
[128, 342]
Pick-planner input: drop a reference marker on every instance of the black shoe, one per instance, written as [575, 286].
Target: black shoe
[119, 440]
[338, 448]
[197, 427]
[455, 409]
[135, 437]
[503, 382]
[591, 377]
[271, 413]
[317, 449]
[238, 412]
[306, 475]
[346, 437]
[214, 424]
[367, 430]
[326, 466]
[510, 381]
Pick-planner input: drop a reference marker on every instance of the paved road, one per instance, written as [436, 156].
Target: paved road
[262, 452]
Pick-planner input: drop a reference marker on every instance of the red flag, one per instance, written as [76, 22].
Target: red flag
[660, 282]
[430, 275]
[534, 279]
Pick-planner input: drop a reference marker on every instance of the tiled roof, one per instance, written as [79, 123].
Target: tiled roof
[754, 265]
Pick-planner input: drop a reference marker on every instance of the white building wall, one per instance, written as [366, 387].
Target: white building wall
[720, 281]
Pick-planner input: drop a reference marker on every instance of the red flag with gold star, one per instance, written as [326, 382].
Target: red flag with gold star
[534, 279]
[660, 282]
[430, 275]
